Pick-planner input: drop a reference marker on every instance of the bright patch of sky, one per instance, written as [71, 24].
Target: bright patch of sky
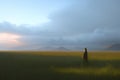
[29, 11]
[10, 40]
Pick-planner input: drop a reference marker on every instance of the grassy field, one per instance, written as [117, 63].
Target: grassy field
[59, 65]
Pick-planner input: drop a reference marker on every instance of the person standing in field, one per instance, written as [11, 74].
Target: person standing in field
[85, 56]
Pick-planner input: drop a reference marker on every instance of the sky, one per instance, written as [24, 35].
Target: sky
[50, 24]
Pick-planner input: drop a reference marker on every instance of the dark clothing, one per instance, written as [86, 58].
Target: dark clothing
[85, 56]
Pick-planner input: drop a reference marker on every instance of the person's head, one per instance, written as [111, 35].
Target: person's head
[85, 49]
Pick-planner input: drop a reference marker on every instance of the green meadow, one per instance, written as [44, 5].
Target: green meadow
[59, 65]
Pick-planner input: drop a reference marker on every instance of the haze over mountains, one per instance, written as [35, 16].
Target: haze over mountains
[114, 47]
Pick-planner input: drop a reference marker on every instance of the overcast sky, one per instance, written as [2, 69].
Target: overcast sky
[49, 24]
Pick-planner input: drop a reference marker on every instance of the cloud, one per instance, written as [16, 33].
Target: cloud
[85, 19]
[85, 23]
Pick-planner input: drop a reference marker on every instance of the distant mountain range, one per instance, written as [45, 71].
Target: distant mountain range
[43, 48]
[114, 47]
[62, 49]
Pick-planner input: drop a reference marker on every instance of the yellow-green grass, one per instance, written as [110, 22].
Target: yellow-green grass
[105, 71]
[102, 55]
[59, 65]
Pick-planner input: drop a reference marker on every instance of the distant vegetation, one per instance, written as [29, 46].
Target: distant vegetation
[59, 65]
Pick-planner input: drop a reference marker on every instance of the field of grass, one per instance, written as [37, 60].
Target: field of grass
[59, 65]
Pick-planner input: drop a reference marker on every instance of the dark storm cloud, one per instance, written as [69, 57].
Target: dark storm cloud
[87, 17]
[95, 22]
[86, 23]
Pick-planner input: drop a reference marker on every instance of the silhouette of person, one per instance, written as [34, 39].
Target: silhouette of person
[85, 56]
